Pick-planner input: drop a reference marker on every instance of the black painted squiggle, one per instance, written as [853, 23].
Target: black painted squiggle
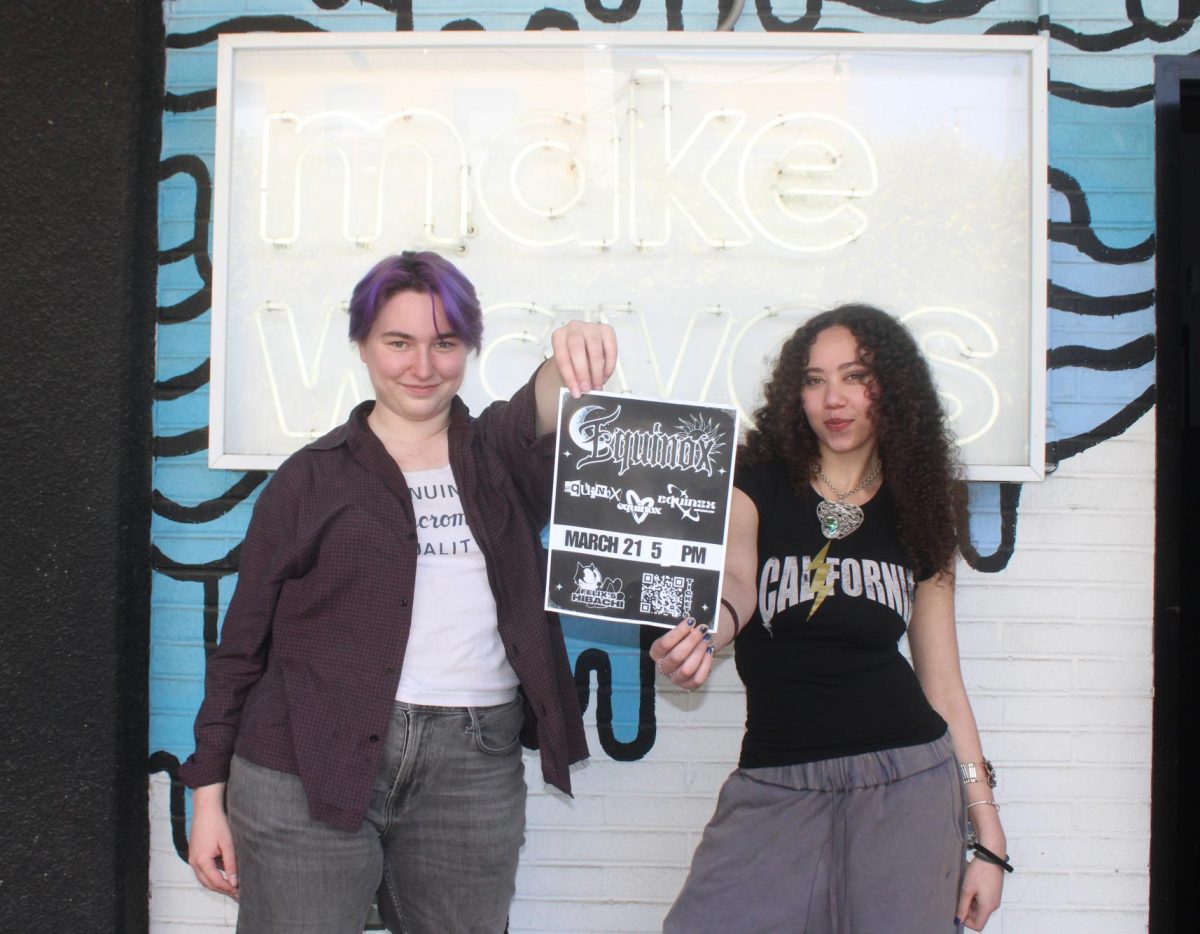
[724, 8]
[189, 308]
[1010, 498]
[190, 103]
[178, 386]
[197, 246]
[1186, 13]
[182, 571]
[210, 509]
[675, 15]
[161, 761]
[193, 40]
[914, 11]
[212, 599]
[772, 23]
[623, 13]
[1012, 28]
[1096, 97]
[597, 660]
[1120, 423]
[550, 18]
[181, 445]
[208, 575]
[1078, 233]
[1140, 28]
[1130, 356]
[463, 25]
[403, 10]
[1068, 91]
[1078, 303]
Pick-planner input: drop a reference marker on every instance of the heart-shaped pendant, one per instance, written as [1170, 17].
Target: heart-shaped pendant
[838, 519]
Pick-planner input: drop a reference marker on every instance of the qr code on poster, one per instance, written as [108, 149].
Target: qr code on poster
[664, 595]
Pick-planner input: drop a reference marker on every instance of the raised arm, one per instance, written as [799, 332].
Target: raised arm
[585, 355]
[934, 646]
[685, 654]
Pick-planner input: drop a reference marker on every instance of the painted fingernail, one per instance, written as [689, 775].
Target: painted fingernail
[690, 621]
[703, 627]
[708, 638]
[957, 923]
[709, 649]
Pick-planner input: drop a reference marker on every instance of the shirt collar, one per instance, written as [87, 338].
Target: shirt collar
[355, 427]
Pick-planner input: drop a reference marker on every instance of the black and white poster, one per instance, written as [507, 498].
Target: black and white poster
[641, 504]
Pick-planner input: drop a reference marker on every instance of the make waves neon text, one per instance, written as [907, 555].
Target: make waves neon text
[599, 180]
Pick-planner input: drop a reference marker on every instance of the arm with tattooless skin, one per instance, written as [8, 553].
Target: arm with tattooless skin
[934, 647]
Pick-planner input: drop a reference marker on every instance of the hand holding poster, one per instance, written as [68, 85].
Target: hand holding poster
[641, 504]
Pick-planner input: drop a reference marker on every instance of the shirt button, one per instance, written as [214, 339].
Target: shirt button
[404, 601]
[373, 738]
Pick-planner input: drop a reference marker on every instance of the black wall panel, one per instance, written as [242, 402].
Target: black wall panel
[80, 99]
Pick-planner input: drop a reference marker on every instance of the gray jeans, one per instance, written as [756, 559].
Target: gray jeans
[439, 843]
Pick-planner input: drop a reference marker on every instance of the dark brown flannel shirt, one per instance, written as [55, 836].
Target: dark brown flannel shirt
[305, 675]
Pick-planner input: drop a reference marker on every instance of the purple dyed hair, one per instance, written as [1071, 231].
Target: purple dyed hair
[427, 274]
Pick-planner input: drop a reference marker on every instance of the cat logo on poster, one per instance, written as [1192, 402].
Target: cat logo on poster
[593, 589]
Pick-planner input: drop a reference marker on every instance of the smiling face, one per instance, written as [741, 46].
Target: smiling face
[837, 393]
[415, 362]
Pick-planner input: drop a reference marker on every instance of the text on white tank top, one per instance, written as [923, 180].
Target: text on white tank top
[454, 656]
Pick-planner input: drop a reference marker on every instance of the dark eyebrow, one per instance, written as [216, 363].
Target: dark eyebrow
[441, 336]
[840, 367]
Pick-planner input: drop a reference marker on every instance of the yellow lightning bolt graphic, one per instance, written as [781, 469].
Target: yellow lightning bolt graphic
[821, 584]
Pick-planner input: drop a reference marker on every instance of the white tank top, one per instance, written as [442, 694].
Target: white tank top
[454, 656]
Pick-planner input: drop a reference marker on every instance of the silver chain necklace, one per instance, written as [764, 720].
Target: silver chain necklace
[841, 518]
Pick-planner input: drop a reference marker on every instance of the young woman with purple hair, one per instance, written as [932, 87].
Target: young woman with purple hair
[386, 649]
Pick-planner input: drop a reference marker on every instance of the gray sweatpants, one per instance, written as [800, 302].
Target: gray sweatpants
[866, 844]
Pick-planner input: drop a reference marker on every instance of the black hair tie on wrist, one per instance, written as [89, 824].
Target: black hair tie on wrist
[737, 623]
[983, 853]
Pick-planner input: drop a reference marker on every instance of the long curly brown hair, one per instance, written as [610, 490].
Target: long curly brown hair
[918, 453]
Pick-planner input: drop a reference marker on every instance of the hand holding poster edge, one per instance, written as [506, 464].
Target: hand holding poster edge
[640, 508]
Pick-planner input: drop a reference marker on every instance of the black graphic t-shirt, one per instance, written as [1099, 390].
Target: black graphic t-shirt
[824, 676]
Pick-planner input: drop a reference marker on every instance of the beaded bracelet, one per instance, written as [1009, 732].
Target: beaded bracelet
[983, 853]
[737, 623]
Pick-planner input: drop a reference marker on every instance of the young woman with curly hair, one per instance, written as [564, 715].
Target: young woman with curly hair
[857, 774]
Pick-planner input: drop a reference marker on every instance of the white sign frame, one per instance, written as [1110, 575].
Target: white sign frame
[1023, 399]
